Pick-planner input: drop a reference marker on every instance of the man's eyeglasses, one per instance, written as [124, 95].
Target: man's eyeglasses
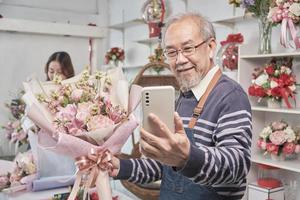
[186, 51]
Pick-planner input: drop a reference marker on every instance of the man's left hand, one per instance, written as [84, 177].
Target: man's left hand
[171, 148]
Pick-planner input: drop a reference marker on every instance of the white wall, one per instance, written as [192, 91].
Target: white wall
[22, 55]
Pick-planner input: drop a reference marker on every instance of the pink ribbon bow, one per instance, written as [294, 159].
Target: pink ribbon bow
[95, 166]
[287, 25]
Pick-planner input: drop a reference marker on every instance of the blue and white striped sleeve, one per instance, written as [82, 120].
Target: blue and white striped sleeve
[229, 160]
[143, 170]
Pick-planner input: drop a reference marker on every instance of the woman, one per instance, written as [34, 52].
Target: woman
[59, 63]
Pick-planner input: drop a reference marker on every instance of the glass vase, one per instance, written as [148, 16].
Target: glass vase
[265, 29]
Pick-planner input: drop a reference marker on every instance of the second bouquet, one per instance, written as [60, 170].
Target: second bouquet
[86, 117]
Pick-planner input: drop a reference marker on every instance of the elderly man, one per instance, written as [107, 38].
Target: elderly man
[208, 156]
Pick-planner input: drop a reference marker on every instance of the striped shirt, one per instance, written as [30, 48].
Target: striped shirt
[220, 156]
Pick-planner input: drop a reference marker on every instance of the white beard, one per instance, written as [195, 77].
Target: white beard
[186, 83]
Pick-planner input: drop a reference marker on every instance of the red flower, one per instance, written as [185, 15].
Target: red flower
[260, 92]
[251, 90]
[270, 70]
[276, 92]
[256, 91]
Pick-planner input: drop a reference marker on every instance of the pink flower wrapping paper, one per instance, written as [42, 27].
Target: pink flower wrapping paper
[110, 138]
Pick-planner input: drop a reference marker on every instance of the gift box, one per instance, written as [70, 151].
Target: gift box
[256, 192]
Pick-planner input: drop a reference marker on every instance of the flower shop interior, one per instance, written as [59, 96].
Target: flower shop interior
[257, 46]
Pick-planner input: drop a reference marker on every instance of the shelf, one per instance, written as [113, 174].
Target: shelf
[127, 24]
[232, 20]
[149, 41]
[50, 28]
[131, 66]
[254, 56]
[291, 165]
[276, 110]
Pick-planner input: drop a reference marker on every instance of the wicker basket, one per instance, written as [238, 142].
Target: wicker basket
[142, 191]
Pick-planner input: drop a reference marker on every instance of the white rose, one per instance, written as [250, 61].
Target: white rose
[277, 72]
[278, 2]
[295, 9]
[286, 5]
[292, 88]
[265, 132]
[262, 79]
[273, 84]
[285, 70]
[290, 134]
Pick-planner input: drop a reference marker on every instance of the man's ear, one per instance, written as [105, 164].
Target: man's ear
[212, 45]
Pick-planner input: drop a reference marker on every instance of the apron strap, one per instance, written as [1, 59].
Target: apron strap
[199, 107]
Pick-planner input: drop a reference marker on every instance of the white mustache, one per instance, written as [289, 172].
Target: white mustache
[183, 67]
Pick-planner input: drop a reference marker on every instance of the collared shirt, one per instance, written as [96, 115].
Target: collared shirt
[199, 89]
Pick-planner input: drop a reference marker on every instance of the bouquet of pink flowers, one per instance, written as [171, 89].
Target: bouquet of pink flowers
[274, 80]
[286, 13]
[24, 170]
[14, 131]
[279, 138]
[87, 118]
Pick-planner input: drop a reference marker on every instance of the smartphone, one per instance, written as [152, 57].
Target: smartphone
[159, 100]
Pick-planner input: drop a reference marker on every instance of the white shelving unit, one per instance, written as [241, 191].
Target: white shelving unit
[290, 165]
[122, 26]
[32, 27]
[231, 21]
[262, 115]
[50, 28]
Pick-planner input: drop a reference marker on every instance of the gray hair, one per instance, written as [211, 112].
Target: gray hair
[206, 28]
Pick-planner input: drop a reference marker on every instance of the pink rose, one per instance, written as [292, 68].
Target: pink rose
[259, 143]
[272, 148]
[288, 148]
[4, 181]
[83, 112]
[76, 95]
[14, 177]
[278, 137]
[75, 127]
[99, 121]
[67, 114]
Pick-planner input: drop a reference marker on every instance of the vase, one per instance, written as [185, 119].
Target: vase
[283, 157]
[291, 101]
[265, 29]
[273, 103]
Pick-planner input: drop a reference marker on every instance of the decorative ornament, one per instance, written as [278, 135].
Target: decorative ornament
[158, 57]
[153, 14]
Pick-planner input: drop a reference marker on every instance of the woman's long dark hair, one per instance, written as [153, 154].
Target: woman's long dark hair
[64, 59]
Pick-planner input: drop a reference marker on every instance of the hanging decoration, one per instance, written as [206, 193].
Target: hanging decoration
[286, 13]
[90, 53]
[153, 14]
[90, 49]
